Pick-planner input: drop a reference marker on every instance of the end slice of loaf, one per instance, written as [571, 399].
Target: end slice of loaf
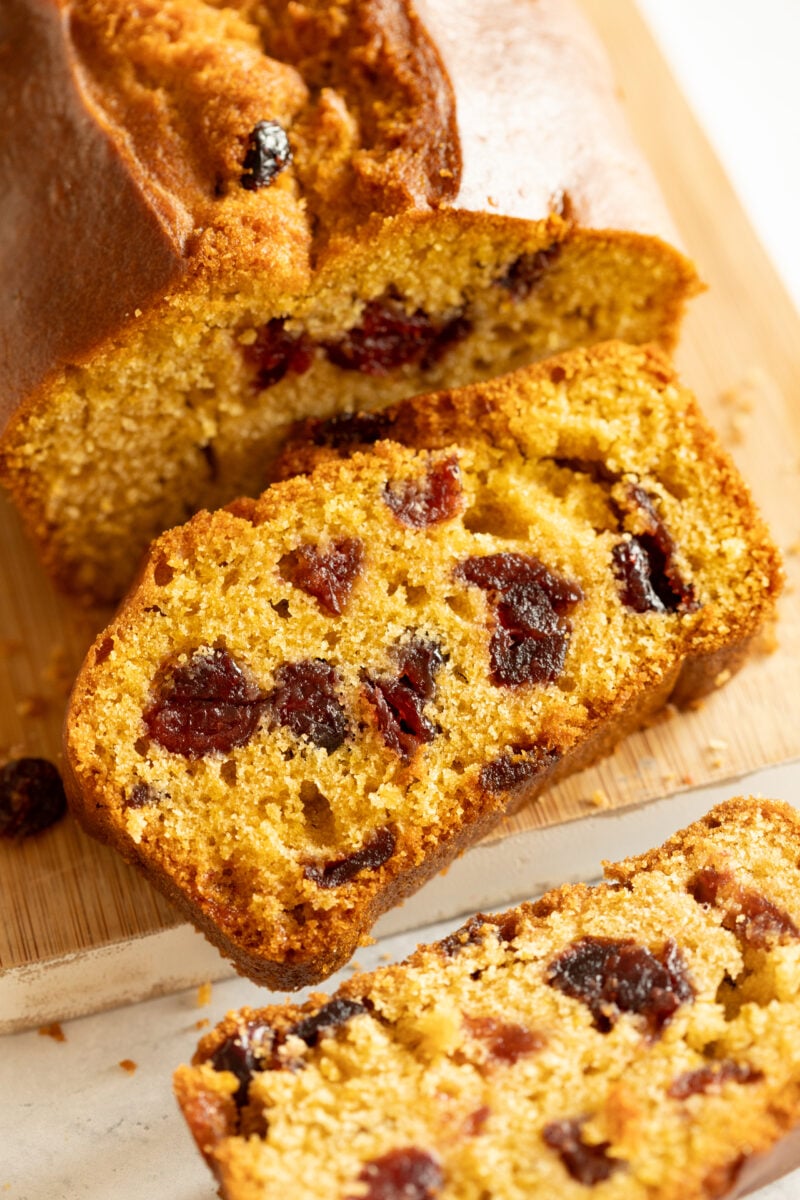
[312, 701]
[639, 1040]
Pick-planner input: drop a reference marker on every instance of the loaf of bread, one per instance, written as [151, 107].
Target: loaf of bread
[223, 217]
[311, 702]
[638, 1040]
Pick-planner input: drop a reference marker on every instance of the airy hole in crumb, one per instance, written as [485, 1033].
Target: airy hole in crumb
[282, 609]
[496, 520]
[227, 772]
[317, 813]
[416, 595]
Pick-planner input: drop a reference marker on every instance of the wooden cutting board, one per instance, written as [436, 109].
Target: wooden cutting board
[79, 930]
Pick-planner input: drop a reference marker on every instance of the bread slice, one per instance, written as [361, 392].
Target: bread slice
[227, 217]
[637, 1040]
[312, 701]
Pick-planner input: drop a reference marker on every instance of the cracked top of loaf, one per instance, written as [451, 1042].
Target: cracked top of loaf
[124, 158]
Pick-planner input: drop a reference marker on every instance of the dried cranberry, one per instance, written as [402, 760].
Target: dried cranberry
[142, 795]
[505, 1041]
[470, 934]
[527, 271]
[645, 564]
[346, 430]
[206, 704]
[327, 575]
[243, 1053]
[588, 1163]
[711, 1078]
[436, 497]
[336, 1012]
[754, 919]
[529, 644]
[373, 854]
[405, 1174]
[305, 700]
[389, 337]
[268, 154]
[512, 770]
[31, 797]
[276, 353]
[399, 702]
[613, 976]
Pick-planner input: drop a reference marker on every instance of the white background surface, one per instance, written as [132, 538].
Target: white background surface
[73, 1125]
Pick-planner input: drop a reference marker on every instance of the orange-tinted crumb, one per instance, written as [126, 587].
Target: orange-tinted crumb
[53, 1031]
[128, 1065]
[204, 995]
[203, 1023]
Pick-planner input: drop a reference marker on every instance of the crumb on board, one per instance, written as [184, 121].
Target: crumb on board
[203, 1023]
[717, 744]
[768, 641]
[354, 965]
[722, 678]
[687, 780]
[385, 957]
[204, 995]
[599, 799]
[53, 1031]
[128, 1065]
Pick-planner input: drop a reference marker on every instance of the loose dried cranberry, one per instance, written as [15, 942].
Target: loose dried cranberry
[399, 702]
[510, 771]
[530, 642]
[405, 1174]
[305, 700]
[268, 154]
[373, 854]
[645, 564]
[243, 1053]
[505, 1041]
[335, 1012]
[142, 795]
[327, 575]
[613, 976]
[711, 1078]
[586, 1162]
[527, 271]
[204, 705]
[389, 337]
[436, 497]
[276, 353]
[31, 797]
[754, 919]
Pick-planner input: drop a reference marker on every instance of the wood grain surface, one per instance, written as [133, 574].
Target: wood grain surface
[63, 897]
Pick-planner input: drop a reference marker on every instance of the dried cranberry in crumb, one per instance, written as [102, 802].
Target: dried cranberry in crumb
[505, 1041]
[711, 1078]
[336, 1012]
[243, 1053]
[613, 976]
[207, 704]
[527, 271]
[405, 1174]
[268, 154]
[749, 914]
[373, 854]
[436, 497]
[276, 353]
[511, 770]
[399, 702]
[645, 564]
[31, 797]
[586, 1162]
[389, 337]
[327, 575]
[305, 700]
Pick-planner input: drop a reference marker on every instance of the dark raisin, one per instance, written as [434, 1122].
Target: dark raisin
[389, 337]
[335, 1012]
[645, 564]
[348, 430]
[276, 353]
[754, 919]
[613, 976]
[405, 1174]
[505, 1041]
[142, 795]
[711, 1078]
[31, 797]
[470, 934]
[305, 700]
[399, 702]
[586, 1162]
[268, 154]
[512, 770]
[527, 271]
[436, 497]
[373, 854]
[243, 1053]
[326, 575]
[206, 704]
[529, 644]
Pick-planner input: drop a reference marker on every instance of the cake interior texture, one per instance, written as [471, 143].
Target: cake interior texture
[313, 701]
[637, 1040]
[360, 267]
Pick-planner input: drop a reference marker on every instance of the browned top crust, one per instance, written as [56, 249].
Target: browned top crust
[122, 156]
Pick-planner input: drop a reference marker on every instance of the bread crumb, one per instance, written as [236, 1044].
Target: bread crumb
[385, 957]
[203, 1023]
[687, 780]
[599, 799]
[717, 744]
[722, 678]
[128, 1065]
[768, 641]
[354, 966]
[53, 1031]
[204, 995]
